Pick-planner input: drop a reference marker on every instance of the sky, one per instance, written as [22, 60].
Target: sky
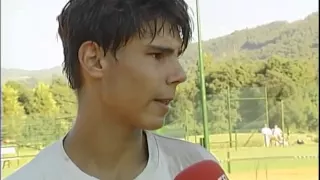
[29, 28]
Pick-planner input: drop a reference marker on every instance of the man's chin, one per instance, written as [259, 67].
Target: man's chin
[153, 123]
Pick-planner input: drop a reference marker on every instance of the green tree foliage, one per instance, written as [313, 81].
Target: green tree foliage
[293, 81]
[43, 101]
[25, 94]
[64, 97]
[13, 112]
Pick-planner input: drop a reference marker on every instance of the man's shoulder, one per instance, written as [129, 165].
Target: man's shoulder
[36, 168]
[178, 154]
[180, 148]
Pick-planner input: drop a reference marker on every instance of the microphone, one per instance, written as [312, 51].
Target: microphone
[204, 170]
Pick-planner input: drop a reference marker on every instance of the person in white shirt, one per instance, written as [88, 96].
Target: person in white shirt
[267, 133]
[121, 59]
[277, 134]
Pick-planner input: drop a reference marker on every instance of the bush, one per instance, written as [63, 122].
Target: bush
[315, 139]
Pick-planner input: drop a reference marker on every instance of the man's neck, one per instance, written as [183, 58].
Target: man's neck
[105, 149]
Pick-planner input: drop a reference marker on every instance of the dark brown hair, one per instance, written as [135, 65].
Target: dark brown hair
[111, 23]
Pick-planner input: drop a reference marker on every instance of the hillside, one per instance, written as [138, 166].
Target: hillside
[296, 40]
[29, 77]
[299, 39]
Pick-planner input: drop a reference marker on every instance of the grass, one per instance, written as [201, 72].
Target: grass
[281, 174]
[265, 163]
[264, 168]
[14, 165]
[245, 168]
[247, 139]
[263, 152]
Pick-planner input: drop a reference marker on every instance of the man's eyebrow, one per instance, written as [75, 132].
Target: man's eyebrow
[165, 49]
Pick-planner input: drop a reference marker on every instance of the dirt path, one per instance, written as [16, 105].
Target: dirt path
[288, 174]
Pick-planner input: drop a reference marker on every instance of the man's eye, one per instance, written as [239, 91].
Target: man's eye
[157, 55]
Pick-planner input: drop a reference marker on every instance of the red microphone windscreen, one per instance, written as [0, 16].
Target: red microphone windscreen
[204, 170]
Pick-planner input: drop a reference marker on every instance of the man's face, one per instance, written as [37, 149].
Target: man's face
[138, 86]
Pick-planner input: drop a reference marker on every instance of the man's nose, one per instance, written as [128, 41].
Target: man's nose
[177, 75]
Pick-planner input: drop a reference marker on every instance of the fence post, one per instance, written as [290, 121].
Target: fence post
[202, 142]
[229, 161]
[266, 104]
[186, 137]
[18, 154]
[282, 121]
[229, 116]
[236, 139]
[195, 131]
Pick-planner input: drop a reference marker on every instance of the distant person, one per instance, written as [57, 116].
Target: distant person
[267, 133]
[277, 134]
[121, 59]
[300, 141]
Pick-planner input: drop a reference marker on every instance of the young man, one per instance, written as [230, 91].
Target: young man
[121, 58]
[267, 133]
[277, 134]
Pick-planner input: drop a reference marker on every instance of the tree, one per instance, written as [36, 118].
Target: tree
[24, 93]
[41, 123]
[64, 97]
[183, 106]
[13, 113]
[43, 102]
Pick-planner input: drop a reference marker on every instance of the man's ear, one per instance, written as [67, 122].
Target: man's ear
[90, 56]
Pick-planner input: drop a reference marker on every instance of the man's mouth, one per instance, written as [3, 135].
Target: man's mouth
[164, 101]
